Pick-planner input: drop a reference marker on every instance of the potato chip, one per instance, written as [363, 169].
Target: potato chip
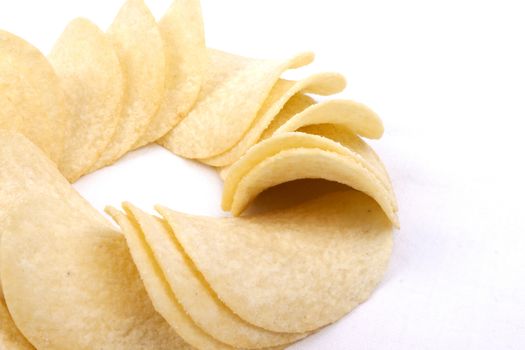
[10, 336]
[140, 47]
[89, 70]
[67, 276]
[158, 289]
[311, 163]
[294, 106]
[292, 270]
[232, 93]
[195, 296]
[186, 57]
[353, 148]
[353, 116]
[339, 133]
[319, 84]
[31, 99]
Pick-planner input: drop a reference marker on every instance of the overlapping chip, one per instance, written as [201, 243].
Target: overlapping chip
[10, 336]
[186, 57]
[320, 84]
[140, 47]
[233, 92]
[31, 100]
[195, 295]
[67, 276]
[90, 73]
[272, 270]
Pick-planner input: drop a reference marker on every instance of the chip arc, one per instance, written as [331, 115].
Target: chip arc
[193, 293]
[67, 276]
[293, 270]
[323, 84]
[158, 289]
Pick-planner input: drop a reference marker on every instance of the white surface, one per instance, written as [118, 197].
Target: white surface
[448, 78]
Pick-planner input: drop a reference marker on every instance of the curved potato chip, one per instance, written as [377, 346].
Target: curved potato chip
[10, 336]
[67, 276]
[140, 48]
[354, 148]
[320, 84]
[293, 270]
[31, 99]
[158, 289]
[186, 56]
[311, 163]
[232, 93]
[338, 133]
[295, 105]
[195, 296]
[89, 69]
[352, 115]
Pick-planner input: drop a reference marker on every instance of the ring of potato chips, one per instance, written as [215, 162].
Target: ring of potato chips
[264, 280]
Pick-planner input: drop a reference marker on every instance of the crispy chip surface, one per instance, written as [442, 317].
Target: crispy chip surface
[140, 47]
[311, 163]
[293, 270]
[321, 84]
[158, 288]
[31, 99]
[10, 336]
[195, 295]
[67, 276]
[90, 73]
[186, 57]
[232, 93]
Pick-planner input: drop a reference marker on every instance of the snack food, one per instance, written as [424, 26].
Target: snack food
[232, 93]
[186, 58]
[10, 336]
[272, 270]
[194, 294]
[318, 84]
[140, 47]
[263, 280]
[31, 100]
[90, 74]
[67, 276]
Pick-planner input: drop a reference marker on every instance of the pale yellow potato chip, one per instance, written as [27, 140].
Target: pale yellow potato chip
[326, 139]
[67, 276]
[291, 270]
[10, 336]
[232, 93]
[311, 163]
[158, 288]
[340, 134]
[353, 116]
[89, 70]
[140, 47]
[301, 111]
[320, 84]
[186, 57]
[294, 106]
[31, 99]
[195, 295]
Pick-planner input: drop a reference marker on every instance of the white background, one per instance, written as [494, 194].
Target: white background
[448, 79]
